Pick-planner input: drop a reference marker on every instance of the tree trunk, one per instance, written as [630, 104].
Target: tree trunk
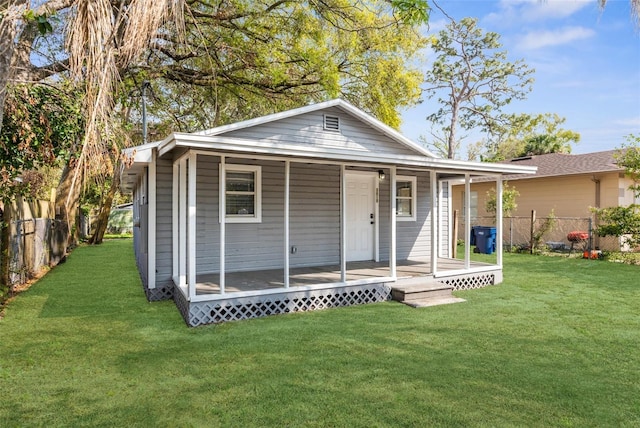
[9, 28]
[67, 200]
[452, 132]
[105, 208]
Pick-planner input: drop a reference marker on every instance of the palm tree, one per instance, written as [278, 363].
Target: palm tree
[102, 41]
[635, 9]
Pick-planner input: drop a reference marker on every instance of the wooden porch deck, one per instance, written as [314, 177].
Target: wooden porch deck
[272, 279]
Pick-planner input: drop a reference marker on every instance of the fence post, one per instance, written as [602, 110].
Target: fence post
[510, 234]
[533, 223]
[455, 234]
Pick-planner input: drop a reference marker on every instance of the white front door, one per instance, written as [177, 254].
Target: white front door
[360, 212]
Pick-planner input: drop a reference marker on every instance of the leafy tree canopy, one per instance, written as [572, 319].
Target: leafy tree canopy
[473, 81]
[629, 158]
[620, 222]
[624, 221]
[509, 204]
[242, 59]
[42, 127]
[526, 135]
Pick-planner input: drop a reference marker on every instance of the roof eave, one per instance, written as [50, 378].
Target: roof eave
[228, 144]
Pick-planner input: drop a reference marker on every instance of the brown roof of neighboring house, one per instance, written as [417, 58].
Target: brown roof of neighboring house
[556, 164]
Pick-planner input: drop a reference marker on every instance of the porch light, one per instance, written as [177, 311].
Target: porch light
[381, 174]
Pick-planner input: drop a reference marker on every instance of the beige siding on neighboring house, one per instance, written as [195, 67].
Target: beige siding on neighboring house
[609, 189]
[566, 196]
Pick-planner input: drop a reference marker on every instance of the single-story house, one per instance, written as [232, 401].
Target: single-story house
[315, 207]
[565, 184]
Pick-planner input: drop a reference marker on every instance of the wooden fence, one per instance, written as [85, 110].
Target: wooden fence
[36, 240]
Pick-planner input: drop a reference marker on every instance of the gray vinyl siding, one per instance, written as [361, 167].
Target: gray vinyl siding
[314, 220]
[307, 130]
[164, 249]
[413, 237]
[207, 222]
[139, 236]
[314, 224]
[248, 246]
[315, 214]
[256, 246]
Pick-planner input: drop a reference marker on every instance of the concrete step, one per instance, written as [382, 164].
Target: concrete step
[433, 302]
[419, 288]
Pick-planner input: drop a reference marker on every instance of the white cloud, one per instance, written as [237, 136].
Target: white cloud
[552, 9]
[632, 121]
[513, 11]
[542, 39]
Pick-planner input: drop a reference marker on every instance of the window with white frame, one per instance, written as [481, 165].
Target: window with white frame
[243, 199]
[406, 188]
[474, 204]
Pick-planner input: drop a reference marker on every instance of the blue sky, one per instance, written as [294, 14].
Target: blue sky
[587, 64]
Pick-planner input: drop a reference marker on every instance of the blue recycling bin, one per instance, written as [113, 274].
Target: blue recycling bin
[472, 238]
[485, 239]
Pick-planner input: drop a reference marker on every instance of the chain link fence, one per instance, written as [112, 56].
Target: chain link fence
[547, 233]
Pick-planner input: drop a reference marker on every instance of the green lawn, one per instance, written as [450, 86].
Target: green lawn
[557, 344]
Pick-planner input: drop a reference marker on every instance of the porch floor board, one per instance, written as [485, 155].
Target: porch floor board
[273, 278]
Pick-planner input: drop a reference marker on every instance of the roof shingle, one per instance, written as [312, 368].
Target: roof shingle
[557, 164]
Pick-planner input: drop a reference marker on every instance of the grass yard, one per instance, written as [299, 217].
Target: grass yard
[557, 344]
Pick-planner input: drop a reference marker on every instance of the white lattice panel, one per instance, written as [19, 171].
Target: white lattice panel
[218, 311]
[159, 293]
[468, 282]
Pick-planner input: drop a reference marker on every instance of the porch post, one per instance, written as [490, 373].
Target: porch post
[287, 178]
[191, 273]
[440, 218]
[467, 221]
[435, 217]
[175, 235]
[499, 191]
[151, 233]
[182, 230]
[343, 223]
[223, 219]
[392, 222]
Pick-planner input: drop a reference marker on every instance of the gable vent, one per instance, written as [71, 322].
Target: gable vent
[331, 123]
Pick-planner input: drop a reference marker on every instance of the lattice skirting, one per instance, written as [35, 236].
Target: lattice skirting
[161, 292]
[233, 309]
[474, 280]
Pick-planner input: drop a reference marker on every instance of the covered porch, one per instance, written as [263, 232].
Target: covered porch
[219, 262]
[272, 279]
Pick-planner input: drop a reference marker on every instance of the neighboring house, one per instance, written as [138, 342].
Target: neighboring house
[121, 219]
[315, 207]
[569, 185]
